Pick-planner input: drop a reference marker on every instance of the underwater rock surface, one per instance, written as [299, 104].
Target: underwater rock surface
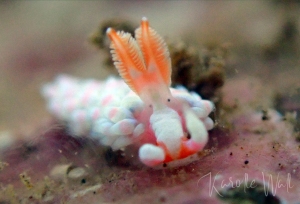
[250, 149]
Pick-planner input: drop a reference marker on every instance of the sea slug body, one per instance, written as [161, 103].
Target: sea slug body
[169, 125]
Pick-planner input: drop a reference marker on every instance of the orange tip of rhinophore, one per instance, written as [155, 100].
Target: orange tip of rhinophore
[108, 30]
[144, 22]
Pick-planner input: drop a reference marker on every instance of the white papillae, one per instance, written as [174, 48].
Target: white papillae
[209, 123]
[151, 155]
[63, 96]
[195, 127]
[166, 124]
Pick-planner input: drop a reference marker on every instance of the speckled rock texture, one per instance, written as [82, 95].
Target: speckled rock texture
[251, 149]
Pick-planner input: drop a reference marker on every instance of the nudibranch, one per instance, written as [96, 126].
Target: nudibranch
[169, 125]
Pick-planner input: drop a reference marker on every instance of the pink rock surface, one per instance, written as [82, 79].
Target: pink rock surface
[253, 149]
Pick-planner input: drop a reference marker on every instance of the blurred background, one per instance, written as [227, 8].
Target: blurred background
[40, 39]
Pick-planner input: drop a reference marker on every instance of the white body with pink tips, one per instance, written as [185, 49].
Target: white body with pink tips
[169, 125]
